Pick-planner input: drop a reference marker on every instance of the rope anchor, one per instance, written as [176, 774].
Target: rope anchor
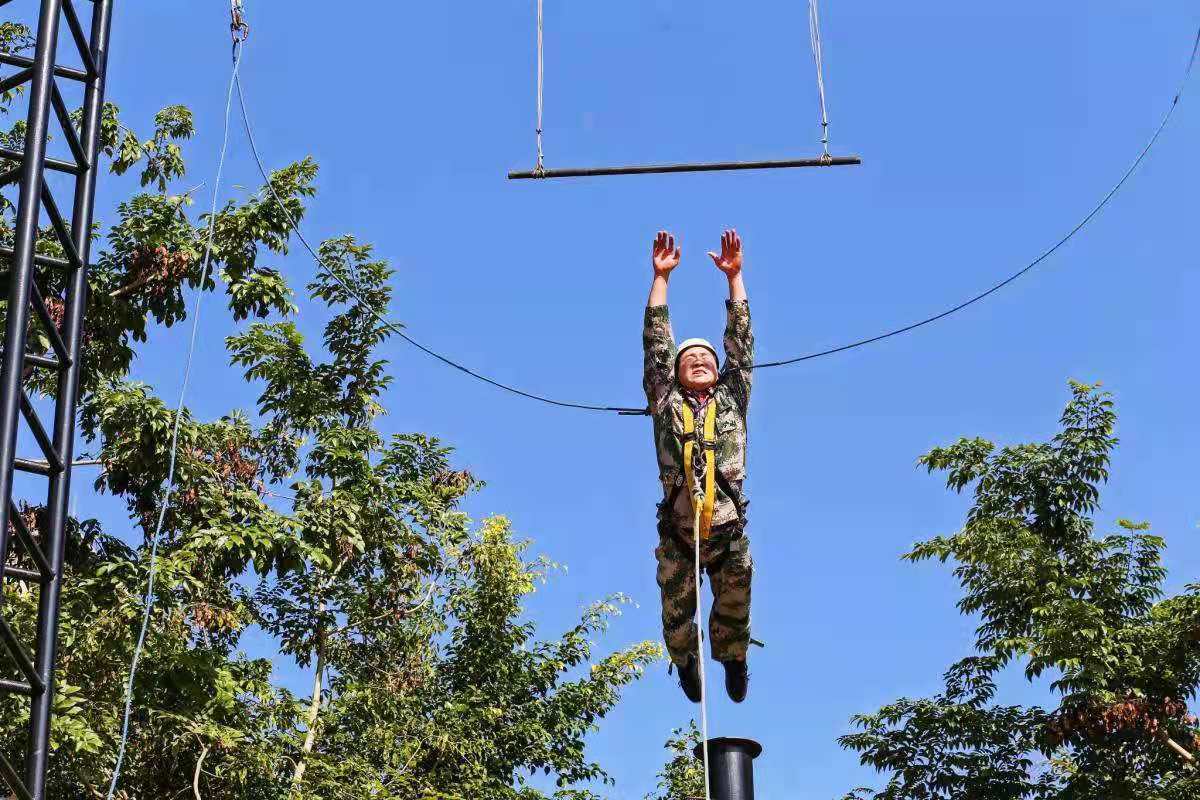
[238, 27]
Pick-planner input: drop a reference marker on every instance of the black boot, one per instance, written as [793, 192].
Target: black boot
[737, 679]
[689, 679]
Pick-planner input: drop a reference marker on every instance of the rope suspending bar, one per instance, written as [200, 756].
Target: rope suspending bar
[824, 160]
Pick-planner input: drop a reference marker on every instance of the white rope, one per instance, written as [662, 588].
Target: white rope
[699, 503]
[814, 36]
[170, 482]
[540, 72]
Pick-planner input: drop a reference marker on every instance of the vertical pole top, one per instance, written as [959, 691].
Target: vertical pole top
[731, 767]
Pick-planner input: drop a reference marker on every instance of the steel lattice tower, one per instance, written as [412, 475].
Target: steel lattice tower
[27, 304]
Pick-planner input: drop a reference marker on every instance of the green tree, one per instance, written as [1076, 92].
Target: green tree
[1053, 599]
[682, 777]
[297, 519]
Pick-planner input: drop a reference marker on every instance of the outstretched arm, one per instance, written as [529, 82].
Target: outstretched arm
[739, 337]
[665, 257]
[729, 261]
[658, 341]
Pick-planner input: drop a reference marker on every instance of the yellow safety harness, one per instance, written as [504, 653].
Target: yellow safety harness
[703, 497]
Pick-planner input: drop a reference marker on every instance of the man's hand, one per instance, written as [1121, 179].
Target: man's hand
[665, 255]
[730, 259]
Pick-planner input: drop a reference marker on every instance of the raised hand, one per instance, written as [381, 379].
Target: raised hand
[729, 260]
[665, 254]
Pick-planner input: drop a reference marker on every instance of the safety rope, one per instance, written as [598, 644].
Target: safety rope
[238, 27]
[540, 169]
[148, 601]
[698, 502]
[814, 37]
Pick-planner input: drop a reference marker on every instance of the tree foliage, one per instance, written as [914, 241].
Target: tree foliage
[296, 521]
[1053, 599]
[682, 777]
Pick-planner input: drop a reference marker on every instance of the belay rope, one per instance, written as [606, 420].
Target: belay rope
[698, 502]
[699, 462]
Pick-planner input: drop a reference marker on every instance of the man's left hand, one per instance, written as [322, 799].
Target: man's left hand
[729, 260]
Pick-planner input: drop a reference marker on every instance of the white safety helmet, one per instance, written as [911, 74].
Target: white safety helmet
[687, 344]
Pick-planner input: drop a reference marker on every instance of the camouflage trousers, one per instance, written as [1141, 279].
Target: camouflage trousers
[725, 558]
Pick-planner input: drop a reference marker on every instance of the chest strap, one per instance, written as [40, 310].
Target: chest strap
[706, 493]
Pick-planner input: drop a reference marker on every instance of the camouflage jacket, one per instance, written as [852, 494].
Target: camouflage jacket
[732, 396]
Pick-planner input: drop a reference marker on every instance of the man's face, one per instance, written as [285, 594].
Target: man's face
[697, 369]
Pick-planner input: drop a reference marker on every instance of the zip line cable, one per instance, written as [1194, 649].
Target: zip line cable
[170, 482]
[626, 411]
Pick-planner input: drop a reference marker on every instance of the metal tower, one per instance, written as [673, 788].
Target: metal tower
[26, 304]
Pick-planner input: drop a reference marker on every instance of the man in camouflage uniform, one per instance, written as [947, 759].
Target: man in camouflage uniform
[689, 377]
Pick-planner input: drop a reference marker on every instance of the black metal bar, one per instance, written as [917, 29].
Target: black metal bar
[62, 72]
[14, 782]
[21, 657]
[29, 465]
[43, 315]
[32, 549]
[68, 129]
[41, 706]
[39, 361]
[731, 767]
[15, 687]
[56, 164]
[65, 236]
[21, 574]
[81, 41]
[39, 259]
[13, 81]
[42, 361]
[656, 169]
[33, 161]
[39, 433]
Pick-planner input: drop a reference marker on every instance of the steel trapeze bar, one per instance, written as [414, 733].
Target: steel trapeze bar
[655, 169]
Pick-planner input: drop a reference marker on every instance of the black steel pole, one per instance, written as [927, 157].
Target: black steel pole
[731, 767]
[64, 412]
[25, 235]
[658, 169]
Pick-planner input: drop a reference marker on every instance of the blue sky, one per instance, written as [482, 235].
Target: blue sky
[986, 130]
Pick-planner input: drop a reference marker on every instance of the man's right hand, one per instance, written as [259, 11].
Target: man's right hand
[665, 255]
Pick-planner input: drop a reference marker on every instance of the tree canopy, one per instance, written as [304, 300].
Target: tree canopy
[1053, 599]
[296, 519]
